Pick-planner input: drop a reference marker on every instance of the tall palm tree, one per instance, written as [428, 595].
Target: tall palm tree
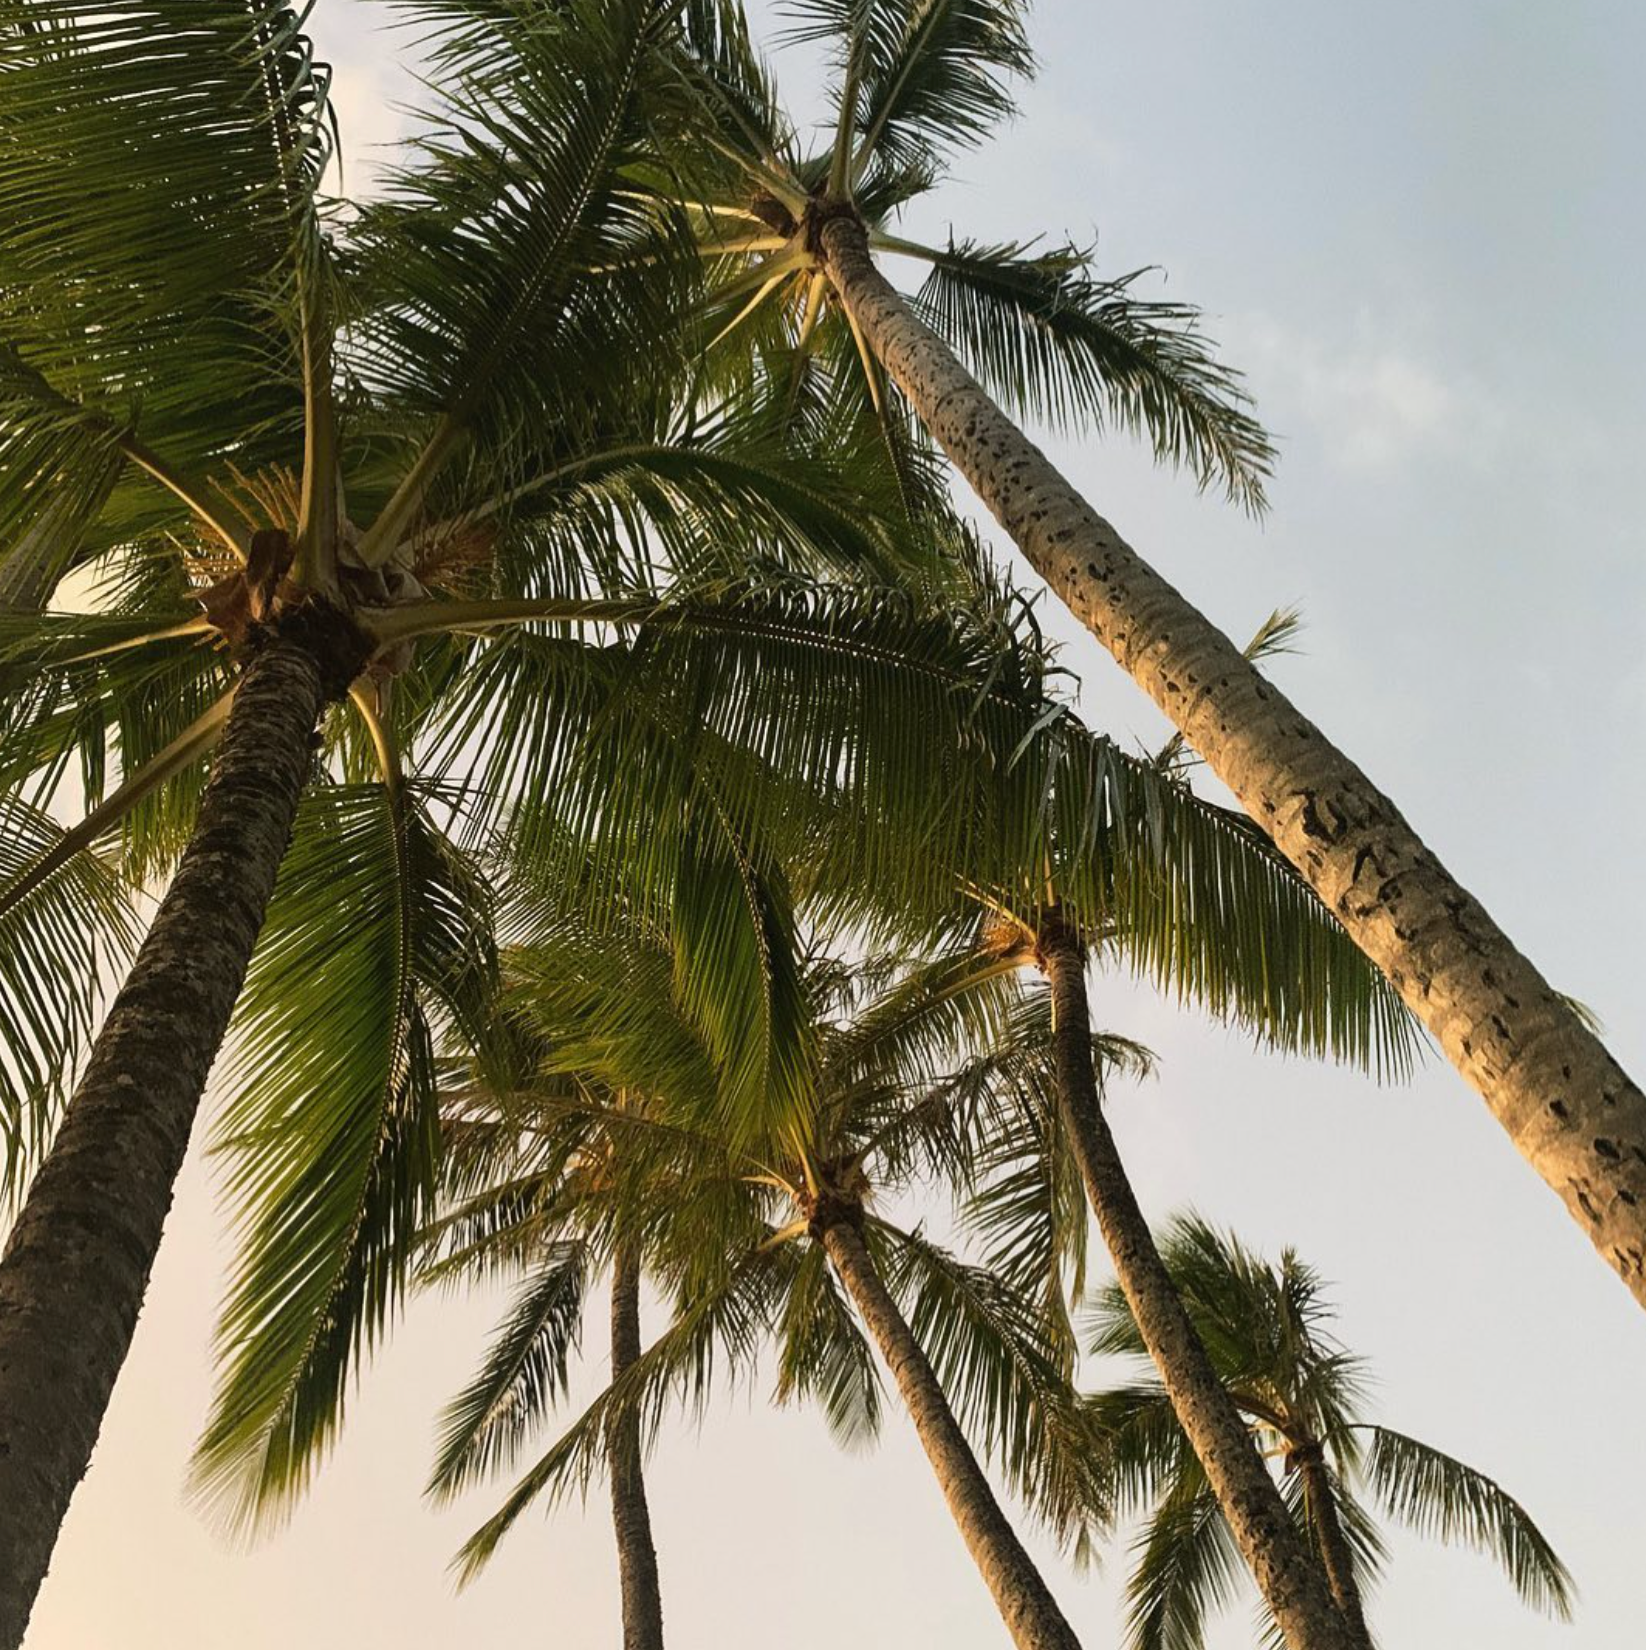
[209, 376]
[892, 1090]
[1303, 1395]
[1045, 927]
[1220, 919]
[1041, 336]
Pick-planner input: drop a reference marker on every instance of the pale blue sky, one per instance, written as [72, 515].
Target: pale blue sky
[1419, 229]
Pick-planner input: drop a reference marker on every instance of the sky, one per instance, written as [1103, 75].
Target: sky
[1418, 229]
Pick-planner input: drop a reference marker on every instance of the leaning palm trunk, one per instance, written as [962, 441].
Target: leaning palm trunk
[631, 1518]
[1025, 1602]
[77, 1263]
[1568, 1106]
[1292, 1583]
[1333, 1544]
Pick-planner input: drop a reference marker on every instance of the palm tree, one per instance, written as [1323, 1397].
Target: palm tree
[745, 1236]
[1043, 337]
[1302, 1394]
[1048, 929]
[207, 375]
[569, 1213]
[1218, 917]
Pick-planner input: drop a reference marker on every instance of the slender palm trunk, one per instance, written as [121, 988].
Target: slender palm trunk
[1333, 1545]
[77, 1262]
[1025, 1602]
[1293, 1585]
[1566, 1103]
[631, 1518]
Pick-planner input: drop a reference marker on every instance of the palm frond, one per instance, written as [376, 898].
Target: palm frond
[1438, 1495]
[1052, 341]
[162, 158]
[376, 937]
[1186, 1568]
[57, 945]
[940, 79]
[823, 1354]
[524, 1372]
[1000, 1373]
[726, 1324]
[519, 271]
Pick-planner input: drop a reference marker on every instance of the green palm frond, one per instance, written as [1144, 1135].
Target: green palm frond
[725, 1325]
[1052, 341]
[45, 525]
[157, 203]
[1186, 1567]
[1439, 1496]
[735, 976]
[939, 78]
[1025, 1200]
[66, 681]
[1146, 1450]
[57, 945]
[822, 1353]
[999, 1369]
[524, 1372]
[375, 940]
[519, 272]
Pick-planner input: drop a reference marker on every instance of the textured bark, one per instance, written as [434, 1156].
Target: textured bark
[631, 1518]
[1566, 1103]
[1330, 1540]
[1025, 1602]
[1292, 1583]
[77, 1264]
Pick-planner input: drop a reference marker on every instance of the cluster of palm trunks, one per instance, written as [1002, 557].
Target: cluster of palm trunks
[620, 823]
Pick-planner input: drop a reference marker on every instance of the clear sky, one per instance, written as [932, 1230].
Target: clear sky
[1419, 229]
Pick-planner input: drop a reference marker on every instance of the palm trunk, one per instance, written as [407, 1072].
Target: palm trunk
[1333, 1545]
[1292, 1583]
[1025, 1602]
[631, 1518]
[1566, 1103]
[77, 1263]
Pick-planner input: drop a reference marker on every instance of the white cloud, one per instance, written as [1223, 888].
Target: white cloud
[1372, 403]
[370, 86]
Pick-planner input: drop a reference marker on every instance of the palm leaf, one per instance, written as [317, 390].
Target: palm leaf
[823, 1354]
[726, 1323]
[375, 935]
[1438, 1495]
[1000, 1372]
[525, 1371]
[1052, 341]
[1186, 1568]
[57, 944]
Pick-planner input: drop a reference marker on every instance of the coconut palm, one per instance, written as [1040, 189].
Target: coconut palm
[904, 1072]
[1041, 336]
[426, 456]
[1268, 1328]
[1043, 923]
[1220, 919]
[557, 1172]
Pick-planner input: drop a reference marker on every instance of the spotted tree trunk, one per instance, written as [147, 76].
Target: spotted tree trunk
[1570, 1109]
[1292, 1582]
[1024, 1600]
[77, 1263]
[631, 1517]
